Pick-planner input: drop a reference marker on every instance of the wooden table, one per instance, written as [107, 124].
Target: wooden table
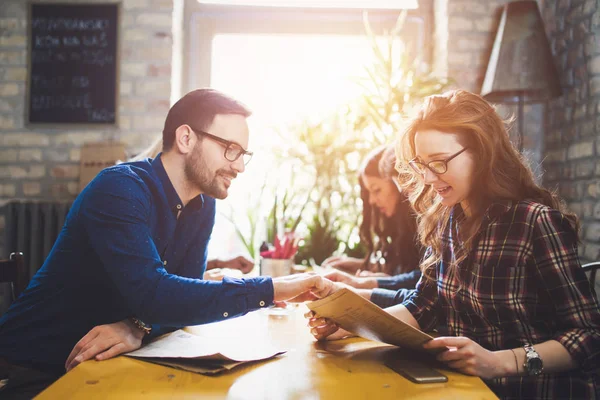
[345, 369]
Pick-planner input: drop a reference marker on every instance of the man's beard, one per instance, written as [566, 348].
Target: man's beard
[200, 177]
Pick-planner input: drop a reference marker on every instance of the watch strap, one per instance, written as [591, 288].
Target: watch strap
[141, 325]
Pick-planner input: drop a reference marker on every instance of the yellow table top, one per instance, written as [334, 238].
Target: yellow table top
[345, 369]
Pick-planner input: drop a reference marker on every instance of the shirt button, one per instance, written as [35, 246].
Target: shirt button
[165, 262]
[226, 314]
[262, 303]
[179, 206]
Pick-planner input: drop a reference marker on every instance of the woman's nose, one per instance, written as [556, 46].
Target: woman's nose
[429, 177]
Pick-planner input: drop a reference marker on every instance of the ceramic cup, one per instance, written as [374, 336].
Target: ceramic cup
[274, 267]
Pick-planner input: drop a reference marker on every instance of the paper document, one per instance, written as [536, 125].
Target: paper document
[202, 354]
[357, 315]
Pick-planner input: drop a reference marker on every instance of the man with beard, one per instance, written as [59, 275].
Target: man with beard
[129, 261]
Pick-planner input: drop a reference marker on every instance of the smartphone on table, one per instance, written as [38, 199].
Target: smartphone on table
[415, 372]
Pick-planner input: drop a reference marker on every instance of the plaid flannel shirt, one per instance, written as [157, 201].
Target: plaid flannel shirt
[525, 286]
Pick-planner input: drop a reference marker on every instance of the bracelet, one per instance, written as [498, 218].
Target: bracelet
[516, 362]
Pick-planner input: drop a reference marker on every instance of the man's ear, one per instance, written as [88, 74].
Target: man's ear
[185, 139]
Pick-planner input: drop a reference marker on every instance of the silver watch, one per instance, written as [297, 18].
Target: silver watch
[533, 362]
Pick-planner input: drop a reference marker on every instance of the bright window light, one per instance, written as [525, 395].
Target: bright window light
[368, 4]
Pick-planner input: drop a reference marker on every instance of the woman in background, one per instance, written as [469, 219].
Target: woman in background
[389, 231]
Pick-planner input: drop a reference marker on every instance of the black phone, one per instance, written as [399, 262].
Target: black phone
[415, 372]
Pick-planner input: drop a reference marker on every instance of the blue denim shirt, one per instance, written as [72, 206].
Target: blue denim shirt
[123, 252]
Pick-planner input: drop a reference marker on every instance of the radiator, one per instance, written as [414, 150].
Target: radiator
[32, 228]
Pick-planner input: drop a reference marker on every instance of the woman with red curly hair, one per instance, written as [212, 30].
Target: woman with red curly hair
[502, 282]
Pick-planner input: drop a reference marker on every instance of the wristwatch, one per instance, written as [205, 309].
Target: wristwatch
[533, 363]
[141, 325]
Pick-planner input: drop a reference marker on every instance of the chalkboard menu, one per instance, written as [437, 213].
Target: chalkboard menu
[73, 63]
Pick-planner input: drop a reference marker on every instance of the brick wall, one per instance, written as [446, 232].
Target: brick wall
[573, 120]
[44, 163]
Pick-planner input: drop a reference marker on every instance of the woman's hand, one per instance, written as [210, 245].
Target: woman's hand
[468, 357]
[104, 342]
[349, 264]
[351, 280]
[366, 274]
[323, 329]
[215, 274]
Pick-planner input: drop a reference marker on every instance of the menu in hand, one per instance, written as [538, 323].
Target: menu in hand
[357, 315]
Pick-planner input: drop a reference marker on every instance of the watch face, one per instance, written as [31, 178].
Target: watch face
[534, 366]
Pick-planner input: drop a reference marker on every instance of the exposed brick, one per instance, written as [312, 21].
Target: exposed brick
[7, 190]
[75, 155]
[154, 53]
[30, 155]
[157, 88]
[559, 155]
[65, 171]
[66, 190]
[77, 138]
[20, 172]
[9, 89]
[125, 88]
[124, 122]
[585, 169]
[15, 74]
[8, 156]
[159, 70]
[57, 155]
[31, 189]
[24, 139]
[145, 122]
[136, 35]
[154, 19]
[132, 104]
[13, 57]
[133, 69]
[13, 41]
[135, 4]
[7, 122]
[581, 150]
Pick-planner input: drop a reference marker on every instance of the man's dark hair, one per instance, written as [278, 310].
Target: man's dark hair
[198, 109]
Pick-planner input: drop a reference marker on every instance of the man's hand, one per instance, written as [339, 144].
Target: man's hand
[240, 263]
[104, 342]
[351, 280]
[468, 357]
[302, 287]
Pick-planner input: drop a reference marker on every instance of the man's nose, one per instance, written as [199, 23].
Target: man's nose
[238, 165]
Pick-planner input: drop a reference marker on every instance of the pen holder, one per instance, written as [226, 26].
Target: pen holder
[276, 267]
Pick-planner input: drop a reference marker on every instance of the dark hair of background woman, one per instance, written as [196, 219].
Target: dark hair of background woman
[395, 237]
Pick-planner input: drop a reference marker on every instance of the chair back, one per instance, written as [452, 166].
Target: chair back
[591, 269]
[13, 271]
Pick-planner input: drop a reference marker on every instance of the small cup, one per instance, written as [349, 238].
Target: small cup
[274, 267]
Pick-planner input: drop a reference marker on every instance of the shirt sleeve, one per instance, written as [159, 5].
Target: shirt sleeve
[422, 301]
[114, 212]
[575, 303]
[387, 298]
[407, 280]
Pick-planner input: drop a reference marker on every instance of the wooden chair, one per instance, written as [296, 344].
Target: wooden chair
[591, 269]
[13, 272]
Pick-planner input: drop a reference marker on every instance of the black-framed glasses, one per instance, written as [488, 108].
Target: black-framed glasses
[233, 151]
[438, 167]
